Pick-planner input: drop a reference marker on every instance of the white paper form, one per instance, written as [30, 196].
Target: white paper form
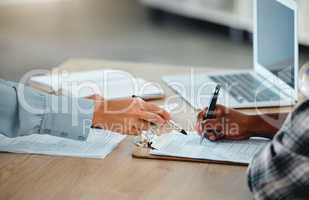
[111, 84]
[98, 145]
[178, 145]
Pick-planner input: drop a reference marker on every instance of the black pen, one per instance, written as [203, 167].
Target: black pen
[210, 113]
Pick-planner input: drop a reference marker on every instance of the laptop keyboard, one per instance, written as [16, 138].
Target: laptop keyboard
[245, 87]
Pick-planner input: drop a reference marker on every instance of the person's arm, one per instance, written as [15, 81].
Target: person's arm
[24, 111]
[266, 125]
[232, 124]
[281, 170]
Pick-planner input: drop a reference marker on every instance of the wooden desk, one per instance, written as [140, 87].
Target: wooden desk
[119, 176]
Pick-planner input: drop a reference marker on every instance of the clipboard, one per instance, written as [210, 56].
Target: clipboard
[144, 153]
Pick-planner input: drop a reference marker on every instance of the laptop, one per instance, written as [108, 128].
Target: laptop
[272, 82]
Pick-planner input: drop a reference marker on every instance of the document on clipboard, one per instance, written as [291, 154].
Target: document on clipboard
[181, 146]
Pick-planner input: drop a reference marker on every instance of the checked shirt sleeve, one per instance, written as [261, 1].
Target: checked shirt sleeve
[281, 170]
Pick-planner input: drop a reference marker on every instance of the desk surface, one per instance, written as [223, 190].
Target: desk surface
[119, 176]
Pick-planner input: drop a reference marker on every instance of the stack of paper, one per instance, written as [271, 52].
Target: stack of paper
[108, 83]
[98, 145]
[178, 145]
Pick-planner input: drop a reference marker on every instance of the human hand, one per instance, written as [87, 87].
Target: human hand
[128, 116]
[227, 124]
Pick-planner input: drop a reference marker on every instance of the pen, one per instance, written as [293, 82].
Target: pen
[173, 124]
[176, 126]
[211, 109]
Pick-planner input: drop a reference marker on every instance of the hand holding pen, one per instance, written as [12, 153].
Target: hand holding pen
[232, 124]
[226, 123]
[172, 124]
[209, 113]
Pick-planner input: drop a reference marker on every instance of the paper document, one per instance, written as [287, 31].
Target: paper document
[111, 84]
[98, 145]
[178, 145]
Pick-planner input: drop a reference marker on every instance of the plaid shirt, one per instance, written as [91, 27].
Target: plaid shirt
[281, 170]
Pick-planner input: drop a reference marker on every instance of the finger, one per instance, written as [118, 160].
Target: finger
[198, 128]
[214, 135]
[133, 131]
[142, 125]
[200, 115]
[220, 135]
[210, 135]
[154, 108]
[201, 126]
[166, 115]
[151, 117]
[219, 112]
[211, 121]
[140, 102]
[212, 124]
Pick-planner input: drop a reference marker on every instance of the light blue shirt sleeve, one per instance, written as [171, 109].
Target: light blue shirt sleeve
[25, 111]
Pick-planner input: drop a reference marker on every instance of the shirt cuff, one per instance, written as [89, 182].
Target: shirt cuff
[68, 117]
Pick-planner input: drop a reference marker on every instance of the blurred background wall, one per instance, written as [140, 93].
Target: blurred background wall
[40, 34]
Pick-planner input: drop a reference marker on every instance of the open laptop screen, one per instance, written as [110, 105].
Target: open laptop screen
[275, 39]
